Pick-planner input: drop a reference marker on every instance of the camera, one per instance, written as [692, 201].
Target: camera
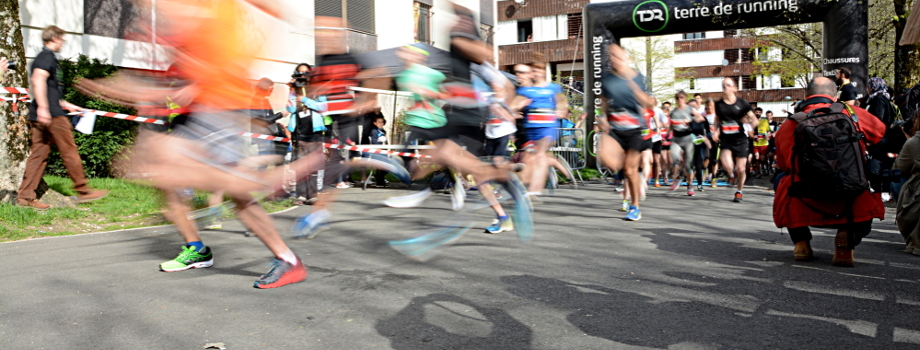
[11, 65]
[300, 79]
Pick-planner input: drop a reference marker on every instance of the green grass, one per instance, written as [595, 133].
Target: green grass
[128, 205]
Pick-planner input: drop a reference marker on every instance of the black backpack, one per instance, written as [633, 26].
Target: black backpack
[827, 156]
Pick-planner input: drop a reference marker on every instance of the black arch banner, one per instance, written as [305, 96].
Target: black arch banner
[846, 29]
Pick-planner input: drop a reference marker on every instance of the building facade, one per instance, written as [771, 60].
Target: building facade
[119, 30]
[703, 60]
[550, 27]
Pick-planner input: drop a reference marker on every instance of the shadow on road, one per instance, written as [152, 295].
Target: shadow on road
[446, 321]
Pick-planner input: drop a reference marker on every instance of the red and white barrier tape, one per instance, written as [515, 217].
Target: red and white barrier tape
[374, 150]
[336, 146]
[265, 137]
[125, 117]
[13, 90]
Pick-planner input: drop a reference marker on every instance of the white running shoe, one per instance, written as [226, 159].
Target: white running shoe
[457, 193]
[408, 201]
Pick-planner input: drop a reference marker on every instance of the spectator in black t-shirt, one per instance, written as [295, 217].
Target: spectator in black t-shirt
[847, 91]
[50, 125]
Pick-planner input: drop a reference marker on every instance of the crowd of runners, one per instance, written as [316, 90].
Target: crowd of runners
[466, 119]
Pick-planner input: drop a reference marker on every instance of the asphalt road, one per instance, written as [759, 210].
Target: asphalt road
[694, 273]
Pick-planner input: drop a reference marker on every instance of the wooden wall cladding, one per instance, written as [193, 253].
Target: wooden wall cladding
[555, 51]
[538, 8]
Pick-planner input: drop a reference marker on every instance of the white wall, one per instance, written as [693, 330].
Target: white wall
[395, 23]
[716, 34]
[702, 85]
[698, 59]
[288, 44]
[505, 33]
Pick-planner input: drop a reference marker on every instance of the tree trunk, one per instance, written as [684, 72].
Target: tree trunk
[907, 57]
[14, 131]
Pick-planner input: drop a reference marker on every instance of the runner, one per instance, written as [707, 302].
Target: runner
[682, 146]
[732, 113]
[712, 162]
[464, 120]
[212, 49]
[701, 145]
[655, 132]
[624, 103]
[761, 142]
[546, 105]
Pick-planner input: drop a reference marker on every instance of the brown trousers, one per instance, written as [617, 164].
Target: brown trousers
[59, 133]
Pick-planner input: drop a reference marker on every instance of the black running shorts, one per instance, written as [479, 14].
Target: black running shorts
[737, 145]
[631, 139]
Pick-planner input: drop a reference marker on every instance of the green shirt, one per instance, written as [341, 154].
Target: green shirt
[425, 113]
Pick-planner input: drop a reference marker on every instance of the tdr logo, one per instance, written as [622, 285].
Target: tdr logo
[651, 16]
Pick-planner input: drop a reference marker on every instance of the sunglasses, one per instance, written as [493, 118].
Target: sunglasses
[520, 72]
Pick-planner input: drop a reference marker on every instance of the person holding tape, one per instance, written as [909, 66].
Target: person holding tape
[50, 125]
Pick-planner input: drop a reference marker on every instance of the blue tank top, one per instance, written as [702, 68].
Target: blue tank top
[541, 112]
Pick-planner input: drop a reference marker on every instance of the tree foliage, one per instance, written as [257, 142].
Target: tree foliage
[801, 46]
[654, 58]
[109, 137]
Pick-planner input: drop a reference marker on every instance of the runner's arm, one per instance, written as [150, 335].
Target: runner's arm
[562, 106]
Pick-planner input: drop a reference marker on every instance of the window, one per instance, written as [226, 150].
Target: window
[423, 23]
[574, 24]
[730, 33]
[525, 31]
[330, 8]
[359, 13]
[747, 55]
[691, 36]
[692, 83]
[747, 83]
[731, 55]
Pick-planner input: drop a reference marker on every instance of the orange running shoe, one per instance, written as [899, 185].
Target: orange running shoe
[282, 273]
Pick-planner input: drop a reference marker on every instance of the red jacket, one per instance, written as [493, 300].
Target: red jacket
[791, 212]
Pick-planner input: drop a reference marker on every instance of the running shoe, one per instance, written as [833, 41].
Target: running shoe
[731, 181]
[308, 226]
[408, 201]
[737, 197]
[457, 193]
[657, 184]
[500, 226]
[625, 205]
[690, 192]
[674, 185]
[713, 183]
[342, 185]
[522, 214]
[189, 258]
[634, 214]
[699, 187]
[281, 273]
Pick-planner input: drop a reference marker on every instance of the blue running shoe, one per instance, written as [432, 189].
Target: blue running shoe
[634, 214]
[309, 225]
[500, 226]
[522, 215]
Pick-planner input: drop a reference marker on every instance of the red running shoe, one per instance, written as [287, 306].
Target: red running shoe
[282, 273]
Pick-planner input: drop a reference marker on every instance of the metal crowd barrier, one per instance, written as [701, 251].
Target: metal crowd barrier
[570, 146]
